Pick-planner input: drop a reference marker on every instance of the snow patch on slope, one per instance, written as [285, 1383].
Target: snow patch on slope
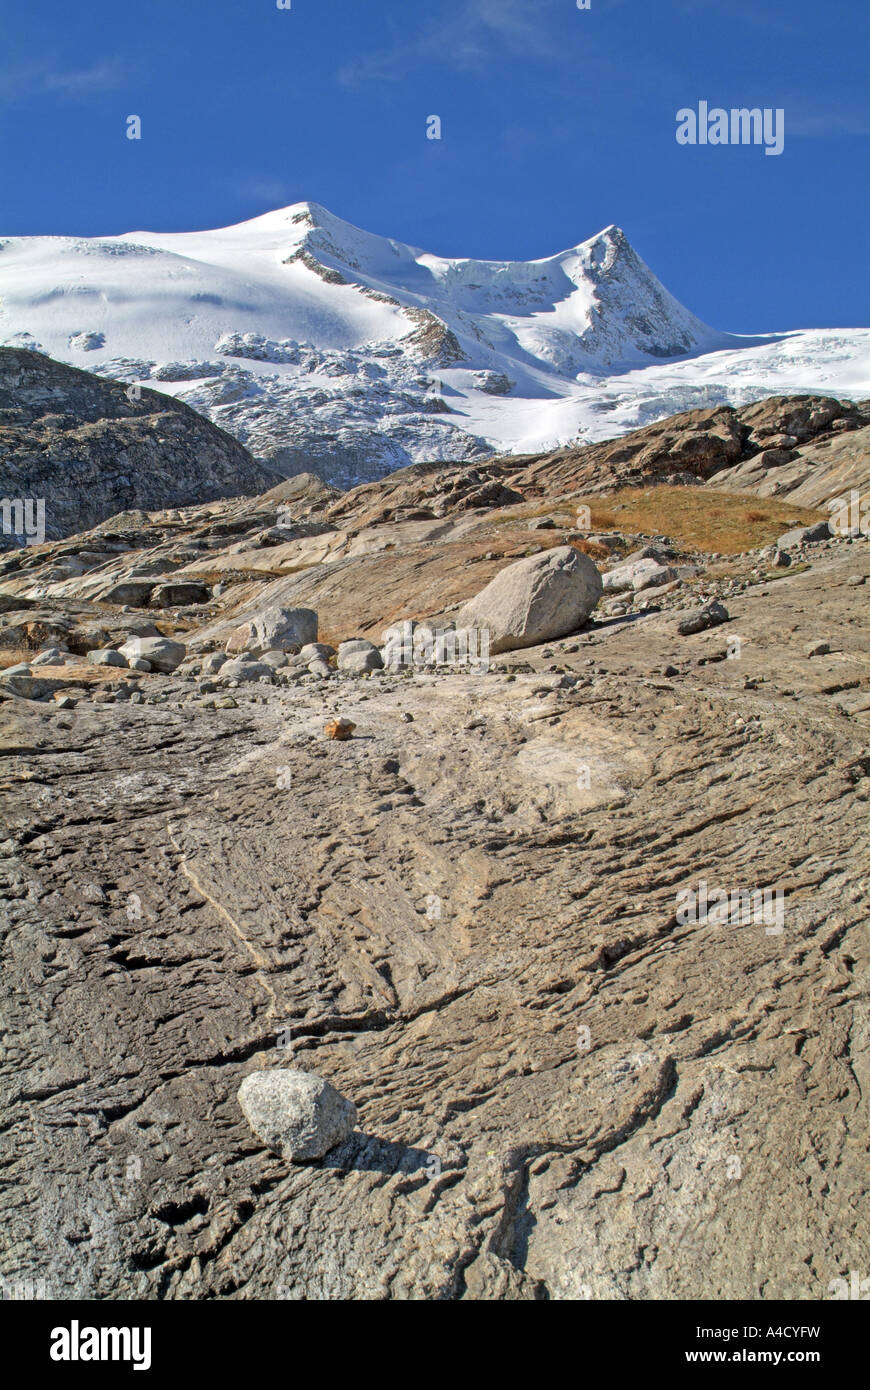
[325, 348]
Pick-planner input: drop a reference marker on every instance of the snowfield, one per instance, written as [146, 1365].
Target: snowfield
[325, 348]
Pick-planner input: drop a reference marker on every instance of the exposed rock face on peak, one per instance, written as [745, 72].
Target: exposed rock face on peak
[432, 340]
[632, 312]
[325, 348]
[90, 450]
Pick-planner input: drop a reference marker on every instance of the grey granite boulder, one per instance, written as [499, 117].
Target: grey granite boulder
[358, 656]
[535, 600]
[136, 592]
[161, 653]
[711, 615]
[274, 629]
[315, 651]
[296, 1113]
[246, 671]
[644, 573]
[805, 535]
[178, 593]
[106, 656]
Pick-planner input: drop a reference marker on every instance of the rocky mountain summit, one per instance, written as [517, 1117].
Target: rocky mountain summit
[346, 958]
[325, 348]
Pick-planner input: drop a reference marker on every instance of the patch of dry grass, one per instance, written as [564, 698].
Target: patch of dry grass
[699, 518]
[706, 519]
[592, 549]
[13, 656]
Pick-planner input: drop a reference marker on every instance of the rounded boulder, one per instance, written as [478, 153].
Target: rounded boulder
[295, 1113]
[535, 600]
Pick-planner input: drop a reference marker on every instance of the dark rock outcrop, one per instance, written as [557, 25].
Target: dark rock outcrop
[90, 450]
[721, 444]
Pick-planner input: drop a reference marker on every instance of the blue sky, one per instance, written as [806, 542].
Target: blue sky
[555, 123]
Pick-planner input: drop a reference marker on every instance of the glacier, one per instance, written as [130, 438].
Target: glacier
[328, 349]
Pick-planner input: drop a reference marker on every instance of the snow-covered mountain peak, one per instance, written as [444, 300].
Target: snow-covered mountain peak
[329, 348]
[608, 244]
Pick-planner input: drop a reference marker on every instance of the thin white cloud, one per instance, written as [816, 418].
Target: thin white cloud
[830, 123]
[275, 192]
[479, 31]
[38, 79]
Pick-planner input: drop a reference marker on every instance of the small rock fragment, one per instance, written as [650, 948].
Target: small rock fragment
[339, 728]
[711, 615]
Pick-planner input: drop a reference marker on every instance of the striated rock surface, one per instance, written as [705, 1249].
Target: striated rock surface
[467, 923]
[484, 916]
